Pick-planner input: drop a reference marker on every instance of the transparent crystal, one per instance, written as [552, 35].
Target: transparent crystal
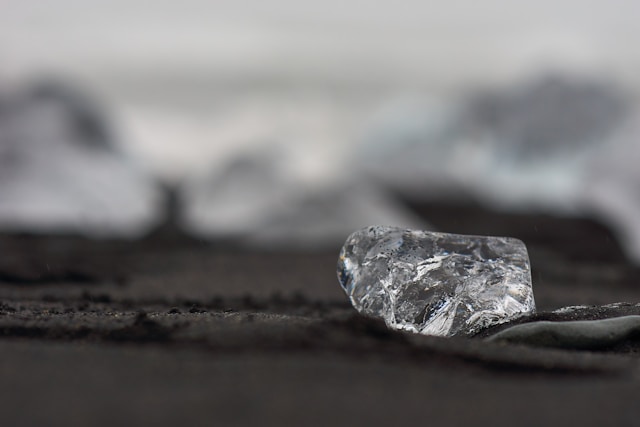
[436, 283]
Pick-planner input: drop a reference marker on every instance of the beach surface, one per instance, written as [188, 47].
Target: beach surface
[169, 330]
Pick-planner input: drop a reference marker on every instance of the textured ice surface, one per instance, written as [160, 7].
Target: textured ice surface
[436, 283]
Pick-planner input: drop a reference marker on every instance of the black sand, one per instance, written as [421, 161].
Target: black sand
[171, 331]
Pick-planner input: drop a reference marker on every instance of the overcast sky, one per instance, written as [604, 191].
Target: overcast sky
[454, 41]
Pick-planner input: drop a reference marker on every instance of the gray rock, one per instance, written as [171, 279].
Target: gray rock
[579, 335]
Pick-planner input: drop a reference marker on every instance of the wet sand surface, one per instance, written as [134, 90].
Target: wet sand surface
[169, 331]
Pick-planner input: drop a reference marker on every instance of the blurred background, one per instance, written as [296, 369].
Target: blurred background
[287, 124]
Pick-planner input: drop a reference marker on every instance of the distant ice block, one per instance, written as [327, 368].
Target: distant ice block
[60, 171]
[546, 118]
[255, 201]
[543, 135]
[324, 217]
[518, 149]
[611, 186]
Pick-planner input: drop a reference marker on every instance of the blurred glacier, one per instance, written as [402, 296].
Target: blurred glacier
[287, 174]
[61, 170]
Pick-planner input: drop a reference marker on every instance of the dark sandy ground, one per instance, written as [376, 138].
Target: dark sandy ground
[171, 331]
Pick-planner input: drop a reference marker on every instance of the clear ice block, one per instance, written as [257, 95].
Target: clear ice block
[436, 283]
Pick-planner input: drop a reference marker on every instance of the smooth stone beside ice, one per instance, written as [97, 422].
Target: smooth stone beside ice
[578, 334]
[436, 283]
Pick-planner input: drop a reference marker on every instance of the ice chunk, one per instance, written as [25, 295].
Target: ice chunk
[436, 283]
